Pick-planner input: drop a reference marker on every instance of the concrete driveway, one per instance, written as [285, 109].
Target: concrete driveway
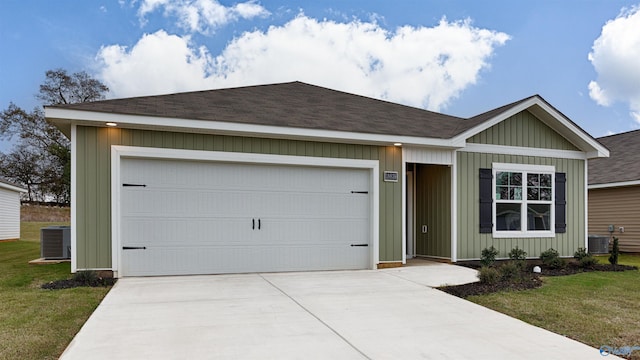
[369, 314]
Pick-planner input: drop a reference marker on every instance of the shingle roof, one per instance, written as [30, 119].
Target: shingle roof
[292, 104]
[623, 163]
[301, 106]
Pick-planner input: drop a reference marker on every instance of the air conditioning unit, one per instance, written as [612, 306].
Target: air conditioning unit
[598, 244]
[55, 242]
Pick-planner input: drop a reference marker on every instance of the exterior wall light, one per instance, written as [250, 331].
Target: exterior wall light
[111, 124]
[397, 144]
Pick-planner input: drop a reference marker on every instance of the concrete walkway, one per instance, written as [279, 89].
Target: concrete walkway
[370, 314]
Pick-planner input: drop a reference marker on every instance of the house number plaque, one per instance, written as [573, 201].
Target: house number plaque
[391, 176]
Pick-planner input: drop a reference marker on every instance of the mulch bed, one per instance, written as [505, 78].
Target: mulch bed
[71, 283]
[529, 279]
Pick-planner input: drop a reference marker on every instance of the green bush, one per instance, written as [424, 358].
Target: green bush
[551, 258]
[488, 275]
[587, 261]
[488, 256]
[581, 253]
[517, 254]
[87, 277]
[615, 251]
[511, 271]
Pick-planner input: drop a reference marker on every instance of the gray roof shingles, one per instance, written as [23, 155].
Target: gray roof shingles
[292, 104]
[623, 163]
[298, 105]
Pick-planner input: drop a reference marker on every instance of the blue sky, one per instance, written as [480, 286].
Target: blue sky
[457, 57]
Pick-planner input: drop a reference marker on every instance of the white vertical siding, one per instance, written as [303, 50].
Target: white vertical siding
[9, 214]
[428, 156]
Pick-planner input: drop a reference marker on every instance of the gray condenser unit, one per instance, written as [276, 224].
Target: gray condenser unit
[598, 244]
[55, 242]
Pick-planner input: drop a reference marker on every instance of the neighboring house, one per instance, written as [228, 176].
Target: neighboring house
[614, 191]
[10, 210]
[293, 176]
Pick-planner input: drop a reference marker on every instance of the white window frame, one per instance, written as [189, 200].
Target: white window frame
[523, 232]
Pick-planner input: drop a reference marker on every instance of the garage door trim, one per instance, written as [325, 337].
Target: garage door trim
[118, 152]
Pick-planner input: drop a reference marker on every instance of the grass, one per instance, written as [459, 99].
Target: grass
[596, 308]
[37, 323]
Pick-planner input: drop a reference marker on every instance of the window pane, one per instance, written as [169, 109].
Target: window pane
[515, 179]
[502, 178]
[502, 192]
[538, 217]
[532, 180]
[515, 193]
[545, 194]
[533, 193]
[507, 217]
[545, 180]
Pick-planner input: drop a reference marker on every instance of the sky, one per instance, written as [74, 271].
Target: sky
[459, 57]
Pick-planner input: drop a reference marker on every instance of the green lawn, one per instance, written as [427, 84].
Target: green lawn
[36, 323]
[597, 308]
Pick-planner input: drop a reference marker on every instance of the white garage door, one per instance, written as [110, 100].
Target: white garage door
[188, 217]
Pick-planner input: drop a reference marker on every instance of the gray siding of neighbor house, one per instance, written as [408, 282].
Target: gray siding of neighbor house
[433, 208]
[523, 129]
[471, 241]
[93, 180]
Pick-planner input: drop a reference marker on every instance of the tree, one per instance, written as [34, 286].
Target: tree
[41, 159]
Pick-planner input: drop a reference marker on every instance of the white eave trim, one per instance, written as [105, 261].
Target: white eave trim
[12, 188]
[594, 148]
[524, 151]
[91, 118]
[614, 184]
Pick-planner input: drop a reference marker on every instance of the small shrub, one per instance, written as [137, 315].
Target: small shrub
[488, 275]
[517, 254]
[87, 277]
[615, 251]
[488, 256]
[581, 253]
[551, 258]
[587, 261]
[511, 271]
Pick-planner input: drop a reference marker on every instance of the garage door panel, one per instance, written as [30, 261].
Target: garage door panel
[202, 218]
[215, 260]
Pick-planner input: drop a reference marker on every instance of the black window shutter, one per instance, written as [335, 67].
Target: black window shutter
[486, 201]
[561, 203]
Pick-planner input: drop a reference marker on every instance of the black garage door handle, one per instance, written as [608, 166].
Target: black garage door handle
[359, 244]
[134, 248]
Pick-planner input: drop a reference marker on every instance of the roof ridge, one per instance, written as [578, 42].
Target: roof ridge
[618, 134]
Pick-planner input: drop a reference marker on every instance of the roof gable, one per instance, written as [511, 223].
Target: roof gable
[544, 112]
[525, 130]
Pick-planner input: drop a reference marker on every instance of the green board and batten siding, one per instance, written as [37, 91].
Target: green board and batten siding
[93, 180]
[523, 130]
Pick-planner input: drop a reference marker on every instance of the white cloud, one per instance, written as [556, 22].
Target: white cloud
[419, 66]
[615, 56]
[203, 16]
[158, 63]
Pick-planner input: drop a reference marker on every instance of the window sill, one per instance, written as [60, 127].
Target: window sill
[522, 234]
